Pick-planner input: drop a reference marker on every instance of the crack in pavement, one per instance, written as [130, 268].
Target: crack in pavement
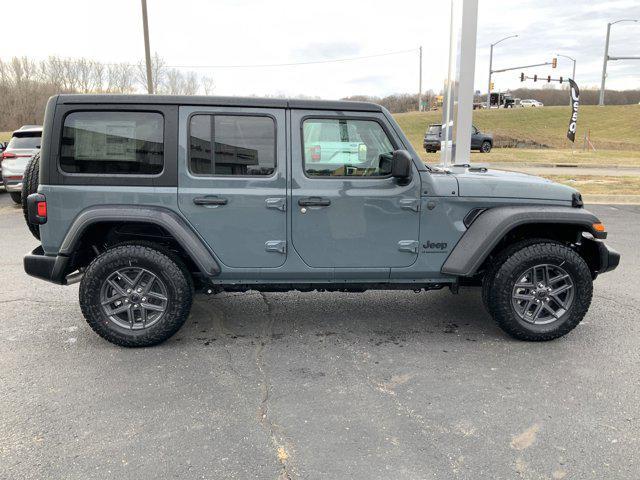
[282, 446]
[32, 300]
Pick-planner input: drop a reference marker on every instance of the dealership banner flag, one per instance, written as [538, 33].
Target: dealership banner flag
[575, 101]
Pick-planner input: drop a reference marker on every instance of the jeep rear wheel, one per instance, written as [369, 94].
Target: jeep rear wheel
[135, 296]
[539, 292]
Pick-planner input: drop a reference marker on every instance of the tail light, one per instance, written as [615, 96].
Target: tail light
[315, 151]
[6, 155]
[41, 208]
[37, 208]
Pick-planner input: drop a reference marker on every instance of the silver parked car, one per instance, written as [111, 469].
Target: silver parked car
[23, 145]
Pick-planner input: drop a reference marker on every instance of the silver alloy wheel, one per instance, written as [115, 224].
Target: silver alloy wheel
[542, 294]
[134, 298]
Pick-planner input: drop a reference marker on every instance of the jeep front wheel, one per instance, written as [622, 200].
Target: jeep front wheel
[540, 291]
[135, 296]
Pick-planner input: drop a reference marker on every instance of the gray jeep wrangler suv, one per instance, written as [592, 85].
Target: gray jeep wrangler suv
[147, 199]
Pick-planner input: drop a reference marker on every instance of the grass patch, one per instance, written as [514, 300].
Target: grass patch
[595, 185]
[613, 127]
[5, 136]
[603, 158]
[502, 157]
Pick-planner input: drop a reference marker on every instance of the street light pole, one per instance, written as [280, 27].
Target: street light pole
[420, 82]
[489, 84]
[606, 57]
[491, 66]
[573, 74]
[147, 50]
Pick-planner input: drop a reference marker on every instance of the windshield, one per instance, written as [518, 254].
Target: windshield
[25, 141]
[434, 129]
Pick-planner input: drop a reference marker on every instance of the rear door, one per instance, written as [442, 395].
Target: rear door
[347, 211]
[232, 182]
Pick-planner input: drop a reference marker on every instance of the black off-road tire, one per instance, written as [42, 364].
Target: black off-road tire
[175, 278]
[30, 185]
[485, 147]
[16, 197]
[493, 264]
[501, 278]
[165, 251]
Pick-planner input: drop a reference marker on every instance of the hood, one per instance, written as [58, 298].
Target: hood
[483, 182]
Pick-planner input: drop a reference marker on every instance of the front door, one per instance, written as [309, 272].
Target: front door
[347, 211]
[232, 182]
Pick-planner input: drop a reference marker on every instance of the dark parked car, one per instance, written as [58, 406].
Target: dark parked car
[482, 142]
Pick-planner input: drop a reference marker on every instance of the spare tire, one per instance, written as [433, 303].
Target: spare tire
[29, 186]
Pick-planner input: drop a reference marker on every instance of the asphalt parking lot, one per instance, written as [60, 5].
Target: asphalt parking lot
[382, 385]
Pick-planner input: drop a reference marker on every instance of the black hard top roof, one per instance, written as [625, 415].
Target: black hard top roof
[219, 101]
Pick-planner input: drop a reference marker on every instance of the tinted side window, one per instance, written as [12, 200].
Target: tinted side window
[343, 147]
[232, 145]
[113, 143]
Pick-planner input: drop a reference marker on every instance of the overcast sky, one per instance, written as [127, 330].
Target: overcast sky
[240, 32]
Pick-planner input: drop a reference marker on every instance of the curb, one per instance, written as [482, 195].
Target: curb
[594, 198]
[560, 165]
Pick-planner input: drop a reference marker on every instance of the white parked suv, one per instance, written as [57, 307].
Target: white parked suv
[23, 145]
[530, 102]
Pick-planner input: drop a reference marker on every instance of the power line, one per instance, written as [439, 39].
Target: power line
[292, 64]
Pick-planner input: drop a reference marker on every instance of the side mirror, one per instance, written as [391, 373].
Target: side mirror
[401, 165]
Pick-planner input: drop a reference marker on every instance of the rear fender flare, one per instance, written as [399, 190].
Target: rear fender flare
[181, 231]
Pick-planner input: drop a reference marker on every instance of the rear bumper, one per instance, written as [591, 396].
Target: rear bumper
[13, 185]
[51, 269]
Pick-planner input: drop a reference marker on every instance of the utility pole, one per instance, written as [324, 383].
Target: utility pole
[607, 57]
[420, 82]
[491, 67]
[573, 74]
[147, 50]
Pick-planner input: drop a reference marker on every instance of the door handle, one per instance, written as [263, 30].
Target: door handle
[210, 201]
[314, 202]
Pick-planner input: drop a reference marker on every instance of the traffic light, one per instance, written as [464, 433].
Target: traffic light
[522, 77]
[560, 79]
[535, 78]
[491, 85]
[554, 62]
[548, 78]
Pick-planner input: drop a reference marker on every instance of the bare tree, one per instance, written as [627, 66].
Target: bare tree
[190, 84]
[158, 73]
[173, 82]
[207, 85]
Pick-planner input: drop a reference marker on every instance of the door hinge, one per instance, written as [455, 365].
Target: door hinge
[410, 204]
[410, 246]
[279, 246]
[277, 203]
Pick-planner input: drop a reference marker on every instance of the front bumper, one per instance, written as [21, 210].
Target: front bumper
[49, 268]
[431, 145]
[600, 257]
[609, 258]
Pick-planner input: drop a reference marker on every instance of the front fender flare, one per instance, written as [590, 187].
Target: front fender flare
[492, 225]
[181, 231]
